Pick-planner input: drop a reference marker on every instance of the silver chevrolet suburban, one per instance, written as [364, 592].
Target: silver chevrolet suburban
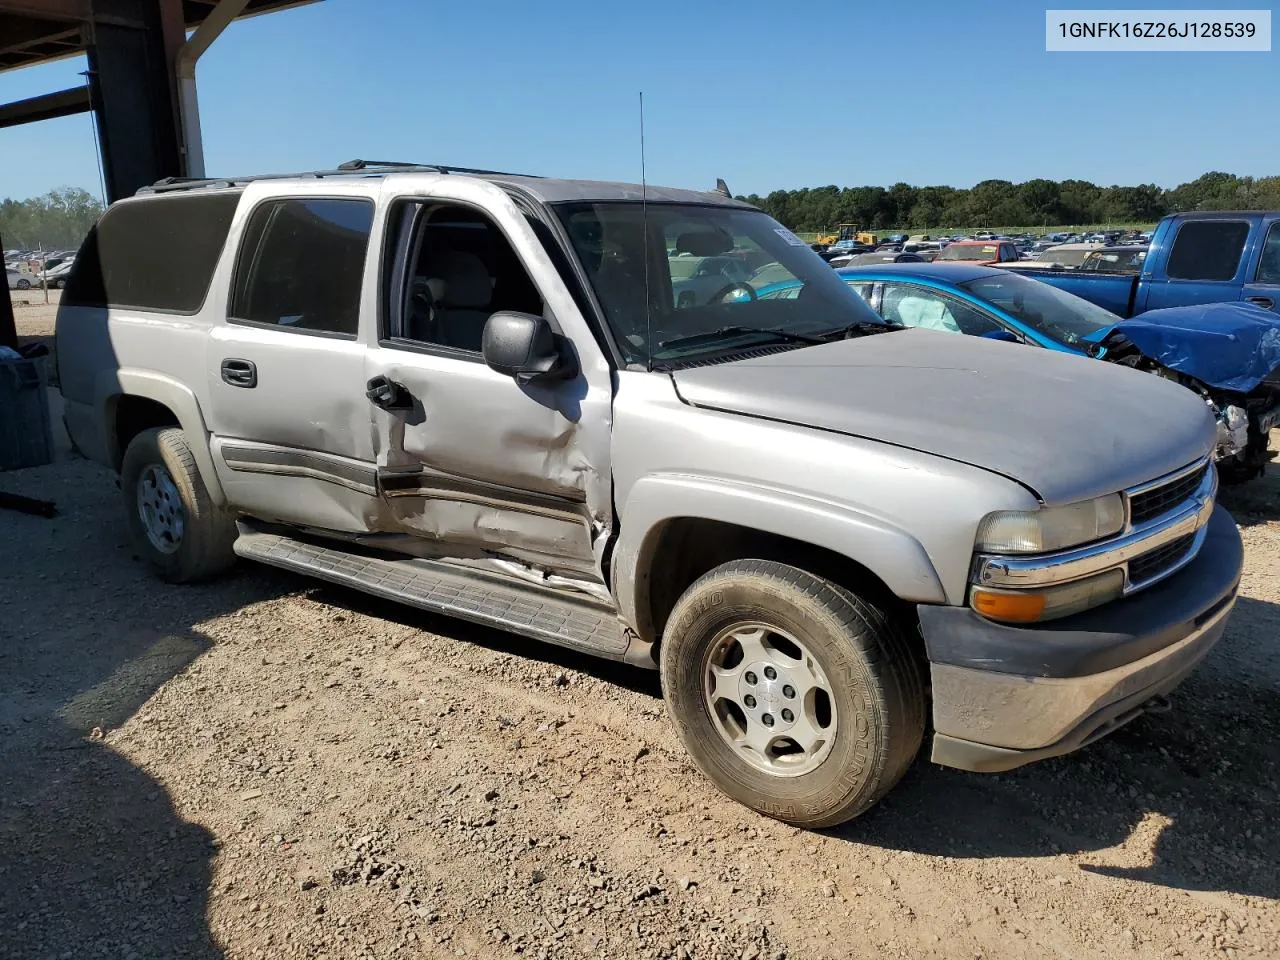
[481, 394]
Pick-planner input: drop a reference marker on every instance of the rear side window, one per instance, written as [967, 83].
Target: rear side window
[301, 265]
[1207, 250]
[156, 254]
[1269, 264]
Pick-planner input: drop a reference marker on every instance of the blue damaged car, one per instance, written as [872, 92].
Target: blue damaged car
[1228, 353]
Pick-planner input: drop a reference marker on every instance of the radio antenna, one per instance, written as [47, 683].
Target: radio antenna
[644, 213]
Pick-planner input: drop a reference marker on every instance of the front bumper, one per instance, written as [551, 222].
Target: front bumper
[1004, 696]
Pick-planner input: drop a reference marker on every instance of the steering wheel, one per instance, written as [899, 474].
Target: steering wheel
[729, 288]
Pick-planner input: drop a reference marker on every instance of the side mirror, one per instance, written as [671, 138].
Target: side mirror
[523, 345]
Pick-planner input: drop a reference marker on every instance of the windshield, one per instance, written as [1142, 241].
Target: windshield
[1055, 313]
[976, 251]
[713, 276]
[1068, 258]
[1115, 261]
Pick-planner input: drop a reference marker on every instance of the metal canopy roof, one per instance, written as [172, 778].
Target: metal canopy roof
[37, 31]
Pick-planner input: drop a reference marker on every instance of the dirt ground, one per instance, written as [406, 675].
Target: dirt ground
[268, 767]
[34, 317]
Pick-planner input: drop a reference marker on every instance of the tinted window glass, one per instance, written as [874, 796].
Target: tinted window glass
[155, 254]
[466, 271]
[301, 264]
[1208, 250]
[1269, 265]
[909, 305]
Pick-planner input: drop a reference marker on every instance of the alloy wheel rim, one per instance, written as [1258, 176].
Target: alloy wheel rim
[160, 509]
[769, 699]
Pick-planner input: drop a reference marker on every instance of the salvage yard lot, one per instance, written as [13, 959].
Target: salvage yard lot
[268, 767]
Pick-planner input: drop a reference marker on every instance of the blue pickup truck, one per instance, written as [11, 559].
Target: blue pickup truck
[1194, 258]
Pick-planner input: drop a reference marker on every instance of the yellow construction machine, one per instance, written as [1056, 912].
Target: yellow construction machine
[847, 231]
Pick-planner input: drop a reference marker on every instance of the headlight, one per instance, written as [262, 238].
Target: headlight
[1050, 529]
[1047, 603]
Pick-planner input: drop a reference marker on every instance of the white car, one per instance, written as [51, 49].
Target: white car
[56, 278]
[17, 281]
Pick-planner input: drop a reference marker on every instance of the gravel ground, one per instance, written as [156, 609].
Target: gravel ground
[265, 767]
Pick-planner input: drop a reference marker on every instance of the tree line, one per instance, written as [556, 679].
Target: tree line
[58, 220]
[61, 218]
[1002, 203]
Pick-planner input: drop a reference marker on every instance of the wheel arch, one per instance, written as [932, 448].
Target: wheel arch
[133, 401]
[676, 529]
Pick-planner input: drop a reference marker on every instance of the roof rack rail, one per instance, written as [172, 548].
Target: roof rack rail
[441, 167]
[352, 168]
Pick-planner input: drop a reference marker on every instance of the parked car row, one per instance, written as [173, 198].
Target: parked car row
[25, 269]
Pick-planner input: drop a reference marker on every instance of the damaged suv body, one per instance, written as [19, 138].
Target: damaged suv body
[478, 394]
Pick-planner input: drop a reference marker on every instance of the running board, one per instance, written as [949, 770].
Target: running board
[584, 625]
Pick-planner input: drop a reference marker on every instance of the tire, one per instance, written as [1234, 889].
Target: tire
[24, 284]
[201, 546]
[874, 691]
[1249, 463]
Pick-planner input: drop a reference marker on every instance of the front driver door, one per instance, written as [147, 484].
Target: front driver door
[472, 461]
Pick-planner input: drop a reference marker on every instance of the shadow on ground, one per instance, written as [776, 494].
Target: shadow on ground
[1255, 502]
[635, 679]
[95, 861]
[1211, 766]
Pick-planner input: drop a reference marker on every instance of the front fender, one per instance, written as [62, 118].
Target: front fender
[171, 393]
[892, 554]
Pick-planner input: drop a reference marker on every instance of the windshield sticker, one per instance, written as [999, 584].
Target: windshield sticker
[788, 236]
[988, 249]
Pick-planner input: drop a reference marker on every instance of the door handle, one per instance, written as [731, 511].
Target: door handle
[1266, 303]
[386, 393]
[240, 373]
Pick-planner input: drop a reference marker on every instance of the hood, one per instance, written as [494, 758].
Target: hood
[1230, 346]
[1065, 426]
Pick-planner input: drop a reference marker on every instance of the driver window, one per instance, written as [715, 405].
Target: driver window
[911, 306]
[463, 270]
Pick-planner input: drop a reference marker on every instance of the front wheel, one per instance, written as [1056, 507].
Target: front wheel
[24, 284]
[1248, 463]
[795, 696]
[174, 524]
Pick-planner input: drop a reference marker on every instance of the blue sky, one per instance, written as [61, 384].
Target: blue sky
[763, 94]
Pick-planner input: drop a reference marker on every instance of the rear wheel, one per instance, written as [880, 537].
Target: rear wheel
[795, 696]
[24, 284]
[173, 522]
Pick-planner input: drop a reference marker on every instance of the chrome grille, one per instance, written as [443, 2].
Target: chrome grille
[1153, 564]
[1151, 503]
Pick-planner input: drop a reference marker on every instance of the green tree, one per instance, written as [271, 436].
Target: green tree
[58, 220]
[996, 203]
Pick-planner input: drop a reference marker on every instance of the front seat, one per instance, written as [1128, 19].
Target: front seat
[462, 290]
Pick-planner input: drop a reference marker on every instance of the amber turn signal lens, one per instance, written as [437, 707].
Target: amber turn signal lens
[1009, 607]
